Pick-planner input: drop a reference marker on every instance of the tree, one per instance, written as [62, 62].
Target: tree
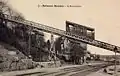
[48, 44]
[58, 43]
[17, 35]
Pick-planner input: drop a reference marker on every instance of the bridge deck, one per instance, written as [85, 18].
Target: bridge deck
[56, 31]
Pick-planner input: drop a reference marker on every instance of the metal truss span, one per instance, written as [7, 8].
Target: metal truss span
[56, 31]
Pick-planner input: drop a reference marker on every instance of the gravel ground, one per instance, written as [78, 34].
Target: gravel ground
[110, 73]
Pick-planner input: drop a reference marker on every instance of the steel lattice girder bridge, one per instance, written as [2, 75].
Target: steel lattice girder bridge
[56, 31]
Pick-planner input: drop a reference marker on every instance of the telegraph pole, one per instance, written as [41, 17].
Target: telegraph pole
[115, 68]
[29, 42]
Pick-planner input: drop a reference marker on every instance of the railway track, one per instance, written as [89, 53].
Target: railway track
[87, 71]
[74, 71]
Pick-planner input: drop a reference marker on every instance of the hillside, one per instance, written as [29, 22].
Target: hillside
[12, 59]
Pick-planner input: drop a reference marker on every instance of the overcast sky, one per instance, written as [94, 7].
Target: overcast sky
[103, 15]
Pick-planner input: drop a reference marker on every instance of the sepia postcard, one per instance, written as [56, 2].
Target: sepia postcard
[59, 38]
